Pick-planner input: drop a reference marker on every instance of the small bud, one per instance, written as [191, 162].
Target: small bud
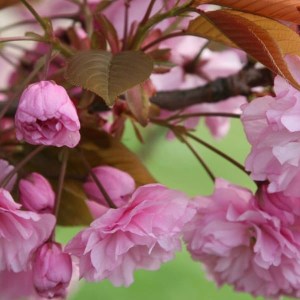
[52, 271]
[36, 194]
[46, 115]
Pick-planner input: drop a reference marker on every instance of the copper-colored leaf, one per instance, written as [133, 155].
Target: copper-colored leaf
[102, 149]
[266, 40]
[108, 75]
[287, 10]
[73, 209]
[7, 3]
[203, 27]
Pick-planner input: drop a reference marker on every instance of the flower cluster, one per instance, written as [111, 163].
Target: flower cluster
[272, 128]
[142, 233]
[65, 105]
[250, 242]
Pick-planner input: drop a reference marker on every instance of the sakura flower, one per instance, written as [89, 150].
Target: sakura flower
[21, 233]
[272, 128]
[118, 184]
[5, 169]
[250, 243]
[25, 288]
[16, 285]
[190, 73]
[140, 235]
[46, 115]
[36, 193]
[52, 270]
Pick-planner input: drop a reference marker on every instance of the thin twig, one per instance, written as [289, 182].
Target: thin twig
[97, 181]
[38, 18]
[217, 151]
[204, 114]
[200, 159]
[20, 165]
[61, 180]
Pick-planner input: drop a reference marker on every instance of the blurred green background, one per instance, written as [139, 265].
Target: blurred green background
[174, 165]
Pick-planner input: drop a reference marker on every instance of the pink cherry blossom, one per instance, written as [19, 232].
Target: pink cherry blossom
[190, 74]
[52, 270]
[46, 115]
[250, 243]
[5, 169]
[36, 193]
[15, 286]
[140, 235]
[272, 128]
[23, 288]
[21, 233]
[118, 184]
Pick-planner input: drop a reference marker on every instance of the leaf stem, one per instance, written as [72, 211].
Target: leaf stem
[204, 114]
[47, 61]
[28, 22]
[217, 151]
[61, 179]
[163, 38]
[22, 38]
[148, 12]
[20, 165]
[38, 18]
[97, 181]
[34, 72]
[200, 159]
[125, 32]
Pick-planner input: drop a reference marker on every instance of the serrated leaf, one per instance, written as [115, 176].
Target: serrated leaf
[287, 10]
[266, 40]
[108, 75]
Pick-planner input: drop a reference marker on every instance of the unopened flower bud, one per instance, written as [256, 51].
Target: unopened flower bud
[46, 115]
[52, 271]
[36, 193]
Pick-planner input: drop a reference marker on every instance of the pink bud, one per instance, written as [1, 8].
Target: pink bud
[46, 115]
[36, 193]
[52, 271]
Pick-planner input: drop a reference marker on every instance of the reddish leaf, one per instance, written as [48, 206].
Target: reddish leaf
[266, 40]
[287, 10]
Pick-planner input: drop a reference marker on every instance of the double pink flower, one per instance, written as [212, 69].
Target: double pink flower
[46, 115]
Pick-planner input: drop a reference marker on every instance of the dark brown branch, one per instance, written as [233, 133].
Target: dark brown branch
[215, 91]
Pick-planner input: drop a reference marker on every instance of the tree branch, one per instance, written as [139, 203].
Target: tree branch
[217, 90]
[213, 92]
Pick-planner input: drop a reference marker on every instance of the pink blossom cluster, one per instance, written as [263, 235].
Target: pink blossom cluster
[251, 242]
[272, 128]
[29, 258]
[141, 233]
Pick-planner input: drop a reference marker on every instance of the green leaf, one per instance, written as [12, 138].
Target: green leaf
[108, 75]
